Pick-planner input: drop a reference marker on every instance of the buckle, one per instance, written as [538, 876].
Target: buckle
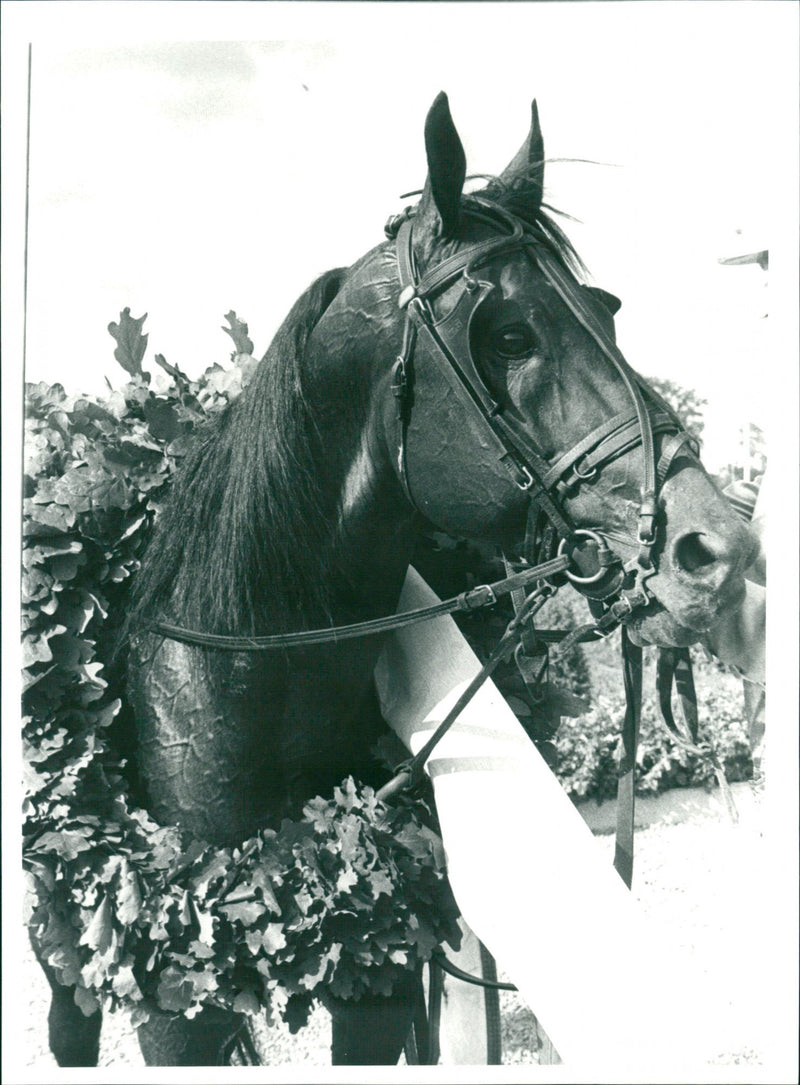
[528, 478]
[399, 380]
[481, 596]
[584, 476]
[646, 532]
[394, 222]
[407, 294]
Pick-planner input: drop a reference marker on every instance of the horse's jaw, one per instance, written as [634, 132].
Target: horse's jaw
[655, 625]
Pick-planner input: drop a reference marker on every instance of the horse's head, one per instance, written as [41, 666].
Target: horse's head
[519, 421]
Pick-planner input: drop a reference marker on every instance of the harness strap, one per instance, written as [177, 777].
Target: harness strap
[436, 278]
[604, 444]
[450, 337]
[512, 448]
[480, 596]
[451, 969]
[402, 379]
[617, 423]
[435, 1000]
[576, 303]
[531, 654]
[676, 444]
[674, 668]
[626, 798]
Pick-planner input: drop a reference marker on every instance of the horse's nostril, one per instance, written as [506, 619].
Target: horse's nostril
[693, 553]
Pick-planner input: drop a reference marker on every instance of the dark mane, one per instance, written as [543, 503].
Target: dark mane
[244, 535]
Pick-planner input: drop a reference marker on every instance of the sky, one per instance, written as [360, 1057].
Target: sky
[184, 178]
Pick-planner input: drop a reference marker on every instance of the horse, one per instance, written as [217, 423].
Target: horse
[460, 376]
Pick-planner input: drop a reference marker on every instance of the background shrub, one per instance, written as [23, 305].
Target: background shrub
[587, 746]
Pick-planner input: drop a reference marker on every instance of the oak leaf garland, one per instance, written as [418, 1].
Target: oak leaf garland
[126, 911]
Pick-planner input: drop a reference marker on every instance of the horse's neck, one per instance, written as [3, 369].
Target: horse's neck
[349, 366]
[294, 723]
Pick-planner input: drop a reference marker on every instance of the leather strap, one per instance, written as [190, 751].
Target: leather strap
[576, 303]
[674, 669]
[410, 773]
[436, 278]
[483, 595]
[513, 448]
[450, 338]
[435, 999]
[601, 446]
[626, 800]
[682, 443]
[613, 425]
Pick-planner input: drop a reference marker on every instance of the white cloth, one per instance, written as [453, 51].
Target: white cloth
[527, 874]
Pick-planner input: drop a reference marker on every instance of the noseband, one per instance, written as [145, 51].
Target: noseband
[544, 482]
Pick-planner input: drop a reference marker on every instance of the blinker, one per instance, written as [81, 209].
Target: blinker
[453, 331]
[449, 340]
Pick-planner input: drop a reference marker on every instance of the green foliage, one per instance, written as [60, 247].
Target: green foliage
[238, 332]
[126, 910]
[131, 344]
[349, 897]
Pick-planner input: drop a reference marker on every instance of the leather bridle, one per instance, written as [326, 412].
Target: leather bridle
[544, 482]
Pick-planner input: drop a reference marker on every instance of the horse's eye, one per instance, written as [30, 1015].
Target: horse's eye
[513, 341]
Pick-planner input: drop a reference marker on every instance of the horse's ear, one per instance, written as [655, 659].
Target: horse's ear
[610, 301]
[439, 208]
[526, 169]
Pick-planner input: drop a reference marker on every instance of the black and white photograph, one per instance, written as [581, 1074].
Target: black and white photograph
[400, 411]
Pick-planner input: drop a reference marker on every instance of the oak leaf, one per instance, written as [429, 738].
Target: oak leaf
[238, 332]
[131, 344]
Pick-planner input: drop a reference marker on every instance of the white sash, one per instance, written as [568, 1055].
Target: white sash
[528, 875]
